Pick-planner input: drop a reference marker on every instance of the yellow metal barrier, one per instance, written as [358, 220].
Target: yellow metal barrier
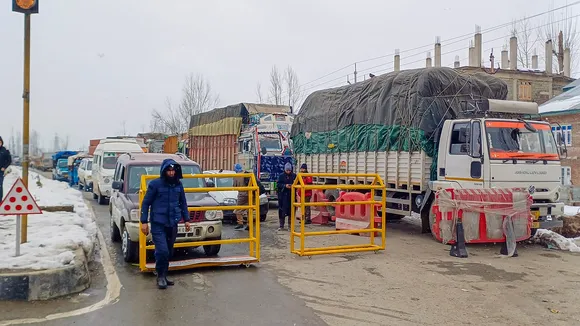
[253, 239]
[377, 184]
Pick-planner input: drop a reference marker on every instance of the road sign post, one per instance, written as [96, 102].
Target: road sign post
[19, 201]
[26, 7]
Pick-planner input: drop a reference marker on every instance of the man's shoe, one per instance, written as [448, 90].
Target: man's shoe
[308, 221]
[162, 283]
[169, 283]
[247, 228]
[239, 227]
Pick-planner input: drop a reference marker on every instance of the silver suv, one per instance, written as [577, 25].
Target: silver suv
[124, 203]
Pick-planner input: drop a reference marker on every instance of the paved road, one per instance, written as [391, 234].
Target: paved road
[218, 296]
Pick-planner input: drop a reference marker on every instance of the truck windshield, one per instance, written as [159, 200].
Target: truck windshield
[271, 142]
[62, 163]
[136, 171]
[511, 140]
[224, 182]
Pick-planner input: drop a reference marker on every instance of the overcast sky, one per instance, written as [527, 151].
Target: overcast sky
[97, 63]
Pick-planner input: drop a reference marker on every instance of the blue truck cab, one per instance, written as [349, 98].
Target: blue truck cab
[60, 170]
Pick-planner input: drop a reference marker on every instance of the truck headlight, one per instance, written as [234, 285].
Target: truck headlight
[107, 180]
[134, 214]
[555, 196]
[230, 201]
[214, 215]
[264, 175]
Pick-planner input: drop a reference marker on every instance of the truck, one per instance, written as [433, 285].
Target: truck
[60, 169]
[429, 129]
[254, 135]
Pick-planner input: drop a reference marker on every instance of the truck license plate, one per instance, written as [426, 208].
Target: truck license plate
[536, 224]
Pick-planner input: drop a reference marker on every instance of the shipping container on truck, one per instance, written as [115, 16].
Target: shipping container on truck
[428, 129]
[254, 135]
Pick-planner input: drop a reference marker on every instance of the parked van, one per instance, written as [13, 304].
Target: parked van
[104, 163]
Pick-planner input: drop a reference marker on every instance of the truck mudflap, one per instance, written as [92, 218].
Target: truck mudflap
[487, 215]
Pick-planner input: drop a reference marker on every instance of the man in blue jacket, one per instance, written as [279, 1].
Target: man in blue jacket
[285, 182]
[166, 198]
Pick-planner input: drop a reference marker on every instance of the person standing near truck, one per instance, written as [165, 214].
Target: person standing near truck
[166, 198]
[285, 182]
[243, 200]
[5, 161]
[307, 192]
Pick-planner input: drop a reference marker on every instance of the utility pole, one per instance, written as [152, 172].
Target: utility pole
[26, 7]
[355, 72]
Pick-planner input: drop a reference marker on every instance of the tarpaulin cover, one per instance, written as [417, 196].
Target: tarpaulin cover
[240, 110]
[396, 111]
[273, 166]
[506, 213]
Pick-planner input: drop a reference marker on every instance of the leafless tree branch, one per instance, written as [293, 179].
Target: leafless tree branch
[275, 86]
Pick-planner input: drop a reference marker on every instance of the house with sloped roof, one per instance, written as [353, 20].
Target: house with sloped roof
[563, 114]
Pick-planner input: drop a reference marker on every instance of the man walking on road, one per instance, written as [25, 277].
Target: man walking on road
[5, 161]
[285, 182]
[166, 198]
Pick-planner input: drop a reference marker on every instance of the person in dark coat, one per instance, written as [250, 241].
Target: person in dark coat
[166, 198]
[5, 161]
[285, 182]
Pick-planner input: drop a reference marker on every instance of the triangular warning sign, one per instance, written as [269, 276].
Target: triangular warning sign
[19, 201]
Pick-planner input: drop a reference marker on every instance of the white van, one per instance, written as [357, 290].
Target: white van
[104, 163]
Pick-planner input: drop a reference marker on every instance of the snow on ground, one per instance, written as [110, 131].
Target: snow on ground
[554, 240]
[52, 237]
[571, 210]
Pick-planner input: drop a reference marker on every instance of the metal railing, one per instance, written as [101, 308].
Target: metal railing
[377, 184]
[253, 239]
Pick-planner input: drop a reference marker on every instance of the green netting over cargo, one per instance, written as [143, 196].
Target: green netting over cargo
[366, 138]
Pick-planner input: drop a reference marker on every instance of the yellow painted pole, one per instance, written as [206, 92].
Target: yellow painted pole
[26, 120]
[292, 216]
[251, 218]
[302, 218]
[257, 236]
[384, 219]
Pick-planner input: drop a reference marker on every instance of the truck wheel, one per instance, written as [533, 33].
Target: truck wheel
[212, 250]
[533, 233]
[129, 248]
[114, 230]
[102, 200]
[80, 186]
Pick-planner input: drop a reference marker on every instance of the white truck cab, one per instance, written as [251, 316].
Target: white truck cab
[490, 152]
[104, 163]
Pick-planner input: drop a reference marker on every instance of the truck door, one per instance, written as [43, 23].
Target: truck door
[464, 163]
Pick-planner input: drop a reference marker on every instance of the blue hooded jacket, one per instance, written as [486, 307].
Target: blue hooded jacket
[165, 198]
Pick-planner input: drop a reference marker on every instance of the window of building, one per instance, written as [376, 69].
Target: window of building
[525, 91]
[563, 132]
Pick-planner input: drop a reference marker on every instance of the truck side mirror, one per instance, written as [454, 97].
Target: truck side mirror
[117, 185]
[264, 150]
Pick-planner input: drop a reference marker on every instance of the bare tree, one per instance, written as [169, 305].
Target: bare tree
[34, 141]
[292, 87]
[197, 97]
[276, 82]
[168, 121]
[528, 37]
[562, 32]
[18, 145]
[64, 143]
[56, 143]
[259, 96]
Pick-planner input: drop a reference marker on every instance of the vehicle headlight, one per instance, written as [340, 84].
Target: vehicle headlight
[264, 175]
[263, 200]
[556, 196]
[214, 215]
[230, 201]
[134, 214]
[107, 180]
[88, 177]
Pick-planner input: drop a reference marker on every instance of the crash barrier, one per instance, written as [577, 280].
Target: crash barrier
[486, 216]
[253, 223]
[357, 206]
[319, 214]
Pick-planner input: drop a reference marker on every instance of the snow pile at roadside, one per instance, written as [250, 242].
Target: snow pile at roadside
[553, 240]
[571, 210]
[53, 238]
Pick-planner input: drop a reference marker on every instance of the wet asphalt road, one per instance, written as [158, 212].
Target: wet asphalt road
[209, 296]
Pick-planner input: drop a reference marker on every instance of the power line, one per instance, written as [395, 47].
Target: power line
[455, 40]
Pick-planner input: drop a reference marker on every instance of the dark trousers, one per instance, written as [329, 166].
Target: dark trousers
[284, 207]
[1, 185]
[164, 239]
